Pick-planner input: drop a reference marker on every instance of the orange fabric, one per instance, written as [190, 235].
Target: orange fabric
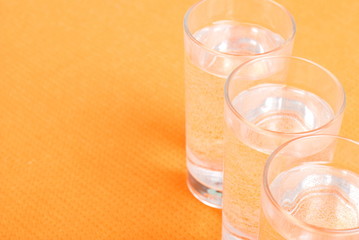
[92, 114]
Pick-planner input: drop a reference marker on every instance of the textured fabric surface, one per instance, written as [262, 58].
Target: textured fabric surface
[92, 114]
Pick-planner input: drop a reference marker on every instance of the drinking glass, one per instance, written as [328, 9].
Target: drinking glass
[219, 35]
[311, 190]
[269, 101]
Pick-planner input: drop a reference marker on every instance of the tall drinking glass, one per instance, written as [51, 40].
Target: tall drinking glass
[269, 101]
[219, 35]
[311, 190]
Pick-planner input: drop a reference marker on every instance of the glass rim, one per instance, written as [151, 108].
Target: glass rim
[286, 42]
[293, 219]
[263, 130]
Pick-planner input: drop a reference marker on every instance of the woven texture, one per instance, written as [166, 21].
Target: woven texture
[92, 114]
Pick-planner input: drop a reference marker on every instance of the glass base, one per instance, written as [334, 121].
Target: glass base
[209, 196]
[230, 233]
[204, 183]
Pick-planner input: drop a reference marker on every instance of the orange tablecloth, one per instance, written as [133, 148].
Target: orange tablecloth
[92, 114]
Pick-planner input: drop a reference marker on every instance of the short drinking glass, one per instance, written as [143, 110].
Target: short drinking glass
[269, 101]
[219, 35]
[311, 190]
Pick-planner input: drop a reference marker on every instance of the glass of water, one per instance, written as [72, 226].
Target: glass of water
[219, 35]
[269, 101]
[311, 190]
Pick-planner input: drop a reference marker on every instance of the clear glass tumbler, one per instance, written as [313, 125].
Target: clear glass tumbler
[269, 101]
[311, 190]
[219, 35]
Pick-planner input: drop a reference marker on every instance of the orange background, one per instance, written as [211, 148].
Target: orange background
[92, 114]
